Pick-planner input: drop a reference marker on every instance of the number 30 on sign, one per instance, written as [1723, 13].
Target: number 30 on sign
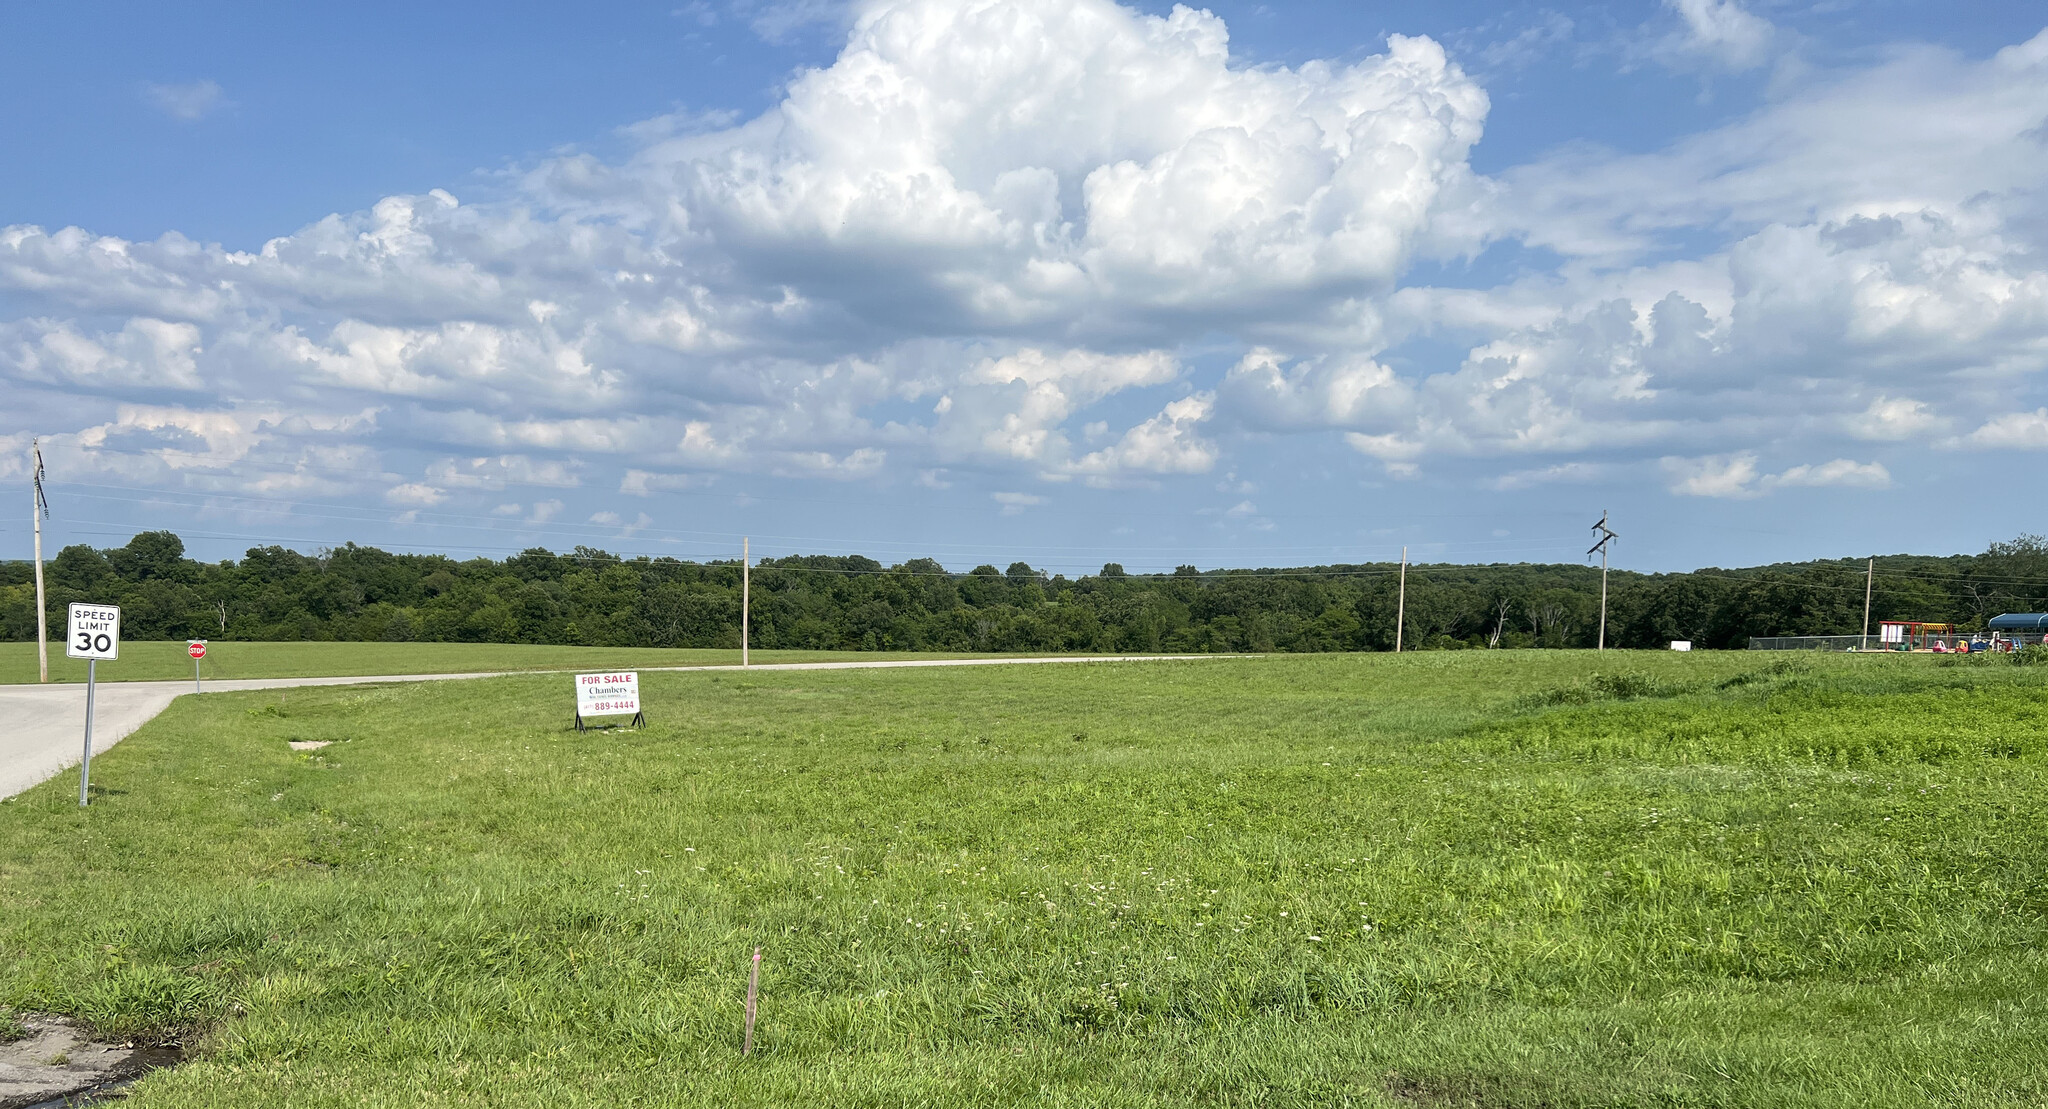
[93, 631]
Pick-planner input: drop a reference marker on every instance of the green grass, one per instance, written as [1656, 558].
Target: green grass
[153, 661]
[1453, 879]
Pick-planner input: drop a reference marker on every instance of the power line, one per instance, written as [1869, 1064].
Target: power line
[1802, 580]
[388, 475]
[465, 521]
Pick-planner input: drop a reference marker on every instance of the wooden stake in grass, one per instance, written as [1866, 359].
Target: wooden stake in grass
[753, 1001]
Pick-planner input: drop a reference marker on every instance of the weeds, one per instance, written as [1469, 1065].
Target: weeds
[1624, 686]
[1772, 671]
[2033, 654]
[1298, 881]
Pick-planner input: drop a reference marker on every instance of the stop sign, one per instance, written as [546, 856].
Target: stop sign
[196, 648]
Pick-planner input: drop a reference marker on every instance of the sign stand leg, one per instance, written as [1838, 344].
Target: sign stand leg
[85, 767]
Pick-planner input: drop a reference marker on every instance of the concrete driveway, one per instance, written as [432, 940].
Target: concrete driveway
[42, 727]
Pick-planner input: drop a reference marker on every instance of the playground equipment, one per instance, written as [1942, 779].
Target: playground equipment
[1917, 635]
[2017, 629]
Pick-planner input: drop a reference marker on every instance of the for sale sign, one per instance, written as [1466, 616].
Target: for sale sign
[93, 631]
[608, 694]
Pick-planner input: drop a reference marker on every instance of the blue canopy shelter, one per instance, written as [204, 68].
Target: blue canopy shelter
[2020, 622]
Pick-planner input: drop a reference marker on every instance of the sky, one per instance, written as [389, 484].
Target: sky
[1061, 281]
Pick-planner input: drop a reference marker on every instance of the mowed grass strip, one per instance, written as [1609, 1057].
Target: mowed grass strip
[1447, 879]
[152, 661]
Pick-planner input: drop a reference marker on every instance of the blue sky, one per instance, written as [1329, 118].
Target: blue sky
[1058, 280]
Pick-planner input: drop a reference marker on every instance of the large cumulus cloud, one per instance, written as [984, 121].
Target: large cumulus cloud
[1001, 212]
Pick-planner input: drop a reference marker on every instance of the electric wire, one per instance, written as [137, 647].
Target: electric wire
[610, 533]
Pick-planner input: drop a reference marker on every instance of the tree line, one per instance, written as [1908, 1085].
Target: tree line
[590, 596]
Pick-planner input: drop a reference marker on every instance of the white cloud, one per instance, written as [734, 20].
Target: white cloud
[1019, 162]
[608, 519]
[1547, 31]
[498, 472]
[2012, 430]
[643, 483]
[1895, 418]
[1924, 129]
[1014, 504]
[1722, 31]
[1726, 475]
[1879, 280]
[1338, 391]
[145, 354]
[543, 511]
[417, 494]
[1169, 443]
[226, 449]
[1840, 472]
[191, 101]
[1012, 408]
[1735, 476]
[778, 20]
[1564, 473]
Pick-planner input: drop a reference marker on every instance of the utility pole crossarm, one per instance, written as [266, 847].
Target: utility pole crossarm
[1607, 535]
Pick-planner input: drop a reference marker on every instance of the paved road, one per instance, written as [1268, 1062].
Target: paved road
[42, 727]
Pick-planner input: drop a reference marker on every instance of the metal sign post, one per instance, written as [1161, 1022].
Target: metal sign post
[91, 632]
[85, 764]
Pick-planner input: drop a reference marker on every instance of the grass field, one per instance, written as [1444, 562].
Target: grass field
[149, 662]
[1451, 879]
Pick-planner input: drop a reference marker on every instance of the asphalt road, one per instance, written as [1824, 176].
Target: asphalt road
[42, 727]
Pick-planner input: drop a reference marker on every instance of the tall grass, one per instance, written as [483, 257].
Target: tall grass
[1299, 881]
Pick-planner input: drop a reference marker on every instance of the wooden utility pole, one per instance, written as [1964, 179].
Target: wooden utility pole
[746, 594]
[39, 511]
[1401, 609]
[1869, 578]
[1606, 536]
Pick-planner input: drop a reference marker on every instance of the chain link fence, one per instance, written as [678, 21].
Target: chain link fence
[1812, 642]
[1872, 643]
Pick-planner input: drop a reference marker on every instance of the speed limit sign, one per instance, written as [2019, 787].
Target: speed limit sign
[94, 631]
